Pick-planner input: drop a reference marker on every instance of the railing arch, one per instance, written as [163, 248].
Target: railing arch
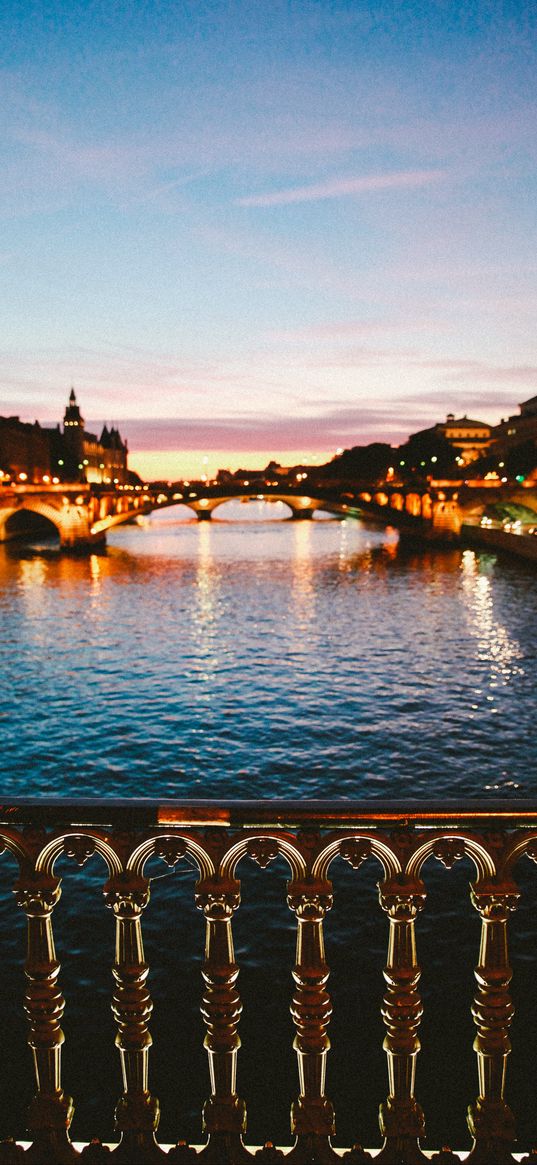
[171, 847]
[448, 848]
[84, 842]
[263, 848]
[309, 836]
[355, 848]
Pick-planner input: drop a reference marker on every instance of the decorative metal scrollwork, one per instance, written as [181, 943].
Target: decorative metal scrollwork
[309, 850]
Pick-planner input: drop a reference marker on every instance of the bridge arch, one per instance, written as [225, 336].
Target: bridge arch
[204, 505]
[33, 517]
[269, 507]
[426, 506]
[474, 503]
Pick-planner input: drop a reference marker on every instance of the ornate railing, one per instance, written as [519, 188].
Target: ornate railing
[310, 836]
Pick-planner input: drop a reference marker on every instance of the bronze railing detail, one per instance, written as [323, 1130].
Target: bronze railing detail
[312, 838]
[51, 1111]
[137, 1112]
[224, 1113]
[312, 1115]
[401, 1119]
[490, 1120]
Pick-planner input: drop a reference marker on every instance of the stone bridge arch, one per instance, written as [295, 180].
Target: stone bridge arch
[413, 504]
[300, 506]
[69, 516]
[8, 518]
[473, 503]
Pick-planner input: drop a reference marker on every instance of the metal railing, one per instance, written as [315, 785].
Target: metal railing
[310, 836]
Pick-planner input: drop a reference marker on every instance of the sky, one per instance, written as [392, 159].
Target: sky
[246, 229]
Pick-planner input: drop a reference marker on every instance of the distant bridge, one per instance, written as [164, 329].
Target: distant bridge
[82, 514]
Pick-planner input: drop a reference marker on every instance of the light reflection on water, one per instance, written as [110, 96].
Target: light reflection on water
[303, 585]
[262, 659]
[251, 659]
[498, 650]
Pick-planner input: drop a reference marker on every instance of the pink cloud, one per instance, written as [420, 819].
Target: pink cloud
[338, 187]
[345, 426]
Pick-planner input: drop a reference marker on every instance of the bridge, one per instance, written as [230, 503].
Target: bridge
[81, 514]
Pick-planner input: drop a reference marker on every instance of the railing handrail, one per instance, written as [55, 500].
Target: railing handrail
[265, 812]
[215, 836]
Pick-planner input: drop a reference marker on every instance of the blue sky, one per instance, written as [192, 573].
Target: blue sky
[257, 229]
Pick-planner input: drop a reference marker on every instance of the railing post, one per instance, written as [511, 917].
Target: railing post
[51, 1111]
[401, 1118]
[312, 1114]
[224, 1113]
[490, 1120]
[137, 1112]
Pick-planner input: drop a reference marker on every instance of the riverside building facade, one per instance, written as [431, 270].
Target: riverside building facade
[35, 454]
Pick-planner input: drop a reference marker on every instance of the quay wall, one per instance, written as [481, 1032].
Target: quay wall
[483, 537]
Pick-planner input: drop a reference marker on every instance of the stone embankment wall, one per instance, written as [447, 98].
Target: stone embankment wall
[523, 545]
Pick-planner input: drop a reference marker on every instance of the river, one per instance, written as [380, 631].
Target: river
[305, 659]
[259, 658]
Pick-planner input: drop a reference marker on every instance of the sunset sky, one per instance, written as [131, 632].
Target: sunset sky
[259, 228]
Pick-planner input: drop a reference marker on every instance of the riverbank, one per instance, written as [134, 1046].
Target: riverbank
[491, 538]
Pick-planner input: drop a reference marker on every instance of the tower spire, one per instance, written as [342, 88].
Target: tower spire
[73, 418]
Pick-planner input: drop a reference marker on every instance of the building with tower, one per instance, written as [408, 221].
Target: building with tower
[37, 454]
[101, 460]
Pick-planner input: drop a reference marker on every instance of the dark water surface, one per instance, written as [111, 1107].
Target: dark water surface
[312, 659]
[258, 659]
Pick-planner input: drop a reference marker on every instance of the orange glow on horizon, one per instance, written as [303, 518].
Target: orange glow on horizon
[175, 465]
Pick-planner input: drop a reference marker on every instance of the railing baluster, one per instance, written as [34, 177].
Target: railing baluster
[490, 1120]
[137, 1112]
[401, 1118]
[312, 1114]
[224, 1113]
[51, 1111]
[495, 840]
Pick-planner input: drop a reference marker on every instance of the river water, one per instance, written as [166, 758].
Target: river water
[260, 658]
[254, 659]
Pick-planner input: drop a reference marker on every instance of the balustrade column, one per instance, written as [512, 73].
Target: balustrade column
[490, 1120]
[224, 1113]
[401, 1118]
[50, 1111]
[312, 1114]
[137, 1112]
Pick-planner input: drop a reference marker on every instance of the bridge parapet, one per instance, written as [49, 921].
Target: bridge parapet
[312, 838]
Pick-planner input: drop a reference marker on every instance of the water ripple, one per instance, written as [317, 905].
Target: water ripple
[261, 660]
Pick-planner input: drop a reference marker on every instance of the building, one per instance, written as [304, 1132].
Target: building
[471, 439]
[35, 454]
[25, 452]
[517, 430]
[88, 457]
